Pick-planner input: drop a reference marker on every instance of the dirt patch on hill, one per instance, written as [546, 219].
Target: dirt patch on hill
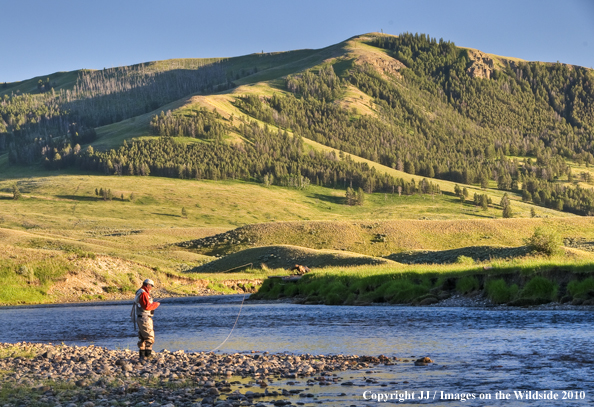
[382, 63]
[286, 257]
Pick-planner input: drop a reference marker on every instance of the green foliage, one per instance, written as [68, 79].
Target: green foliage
[580, 289]
[360, 197]
[25, 284]
[539, 287]
[324, 85]
[274, 154]
[290, 290]
[16, 352]
[465, 260]
[499, 292]
[507, 211]
[196, 124]
[220, 288]
[351, 196]
[467, 284]
[544, 240]
[404, 291]
[16, 193]
[334, 299]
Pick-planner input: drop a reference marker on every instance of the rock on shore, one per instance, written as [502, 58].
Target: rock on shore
[89, 376]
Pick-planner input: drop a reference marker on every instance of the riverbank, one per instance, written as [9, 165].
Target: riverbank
[72, 376]
[531, 281]
[50, 277]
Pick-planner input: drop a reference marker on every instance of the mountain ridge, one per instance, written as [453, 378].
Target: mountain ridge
[404, 86]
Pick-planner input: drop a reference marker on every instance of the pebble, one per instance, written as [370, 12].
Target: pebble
[177, 379]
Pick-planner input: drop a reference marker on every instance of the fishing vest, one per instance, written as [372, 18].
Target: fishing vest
[138, 308]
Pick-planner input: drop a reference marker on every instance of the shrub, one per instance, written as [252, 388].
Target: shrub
[273, 293]
[311, 286]
[499, 292]
[350, 300]
[403, 291]
[579, 289]
[465, 260]
[467, 284]
[540, 287]
[291, 290]
[334, 299]
[544, 241]
[16, 193]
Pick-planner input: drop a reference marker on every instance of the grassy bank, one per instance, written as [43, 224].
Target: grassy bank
[524, 281]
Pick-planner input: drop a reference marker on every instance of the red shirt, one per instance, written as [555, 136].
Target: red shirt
[145, 303]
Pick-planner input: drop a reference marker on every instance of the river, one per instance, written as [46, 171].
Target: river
[477, 351]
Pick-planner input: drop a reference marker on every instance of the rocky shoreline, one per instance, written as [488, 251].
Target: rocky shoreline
[455, 301]
[34, 374]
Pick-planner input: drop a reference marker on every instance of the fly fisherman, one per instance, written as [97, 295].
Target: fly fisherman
[142, 315]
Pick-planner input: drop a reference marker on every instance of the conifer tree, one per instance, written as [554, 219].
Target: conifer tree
[360, 196]
[507, 211]
[16, 193]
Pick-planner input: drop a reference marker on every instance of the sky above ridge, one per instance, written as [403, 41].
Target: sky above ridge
[40, 37]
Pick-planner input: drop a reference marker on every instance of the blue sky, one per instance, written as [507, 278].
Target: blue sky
[42, 37]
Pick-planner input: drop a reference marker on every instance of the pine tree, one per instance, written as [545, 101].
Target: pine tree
[350, 196]
[505, 202]
[507, 211]
[360, 196]
[16, 193]
[484, 202]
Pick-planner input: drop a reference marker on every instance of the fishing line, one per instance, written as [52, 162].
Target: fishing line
[236, 319]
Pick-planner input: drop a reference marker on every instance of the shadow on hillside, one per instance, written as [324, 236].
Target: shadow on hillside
[81, 198]
[285, 257]
[339, 200]
[477, 253]
[166, 214]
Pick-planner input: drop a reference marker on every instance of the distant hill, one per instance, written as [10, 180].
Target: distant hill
[377, 113]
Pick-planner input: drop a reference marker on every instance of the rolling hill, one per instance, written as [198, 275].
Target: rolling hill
[375, 128]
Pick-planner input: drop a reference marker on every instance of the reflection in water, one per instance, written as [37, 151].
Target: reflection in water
[477, 350]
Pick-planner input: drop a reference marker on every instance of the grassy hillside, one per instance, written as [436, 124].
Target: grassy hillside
[58, 80]
[382, 238]
[372, 111]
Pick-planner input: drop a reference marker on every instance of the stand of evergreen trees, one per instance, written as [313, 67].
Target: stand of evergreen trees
[269, 157]
[197, 124]
[432, 119]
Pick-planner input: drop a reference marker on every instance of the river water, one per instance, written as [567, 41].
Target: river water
[488, 353]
